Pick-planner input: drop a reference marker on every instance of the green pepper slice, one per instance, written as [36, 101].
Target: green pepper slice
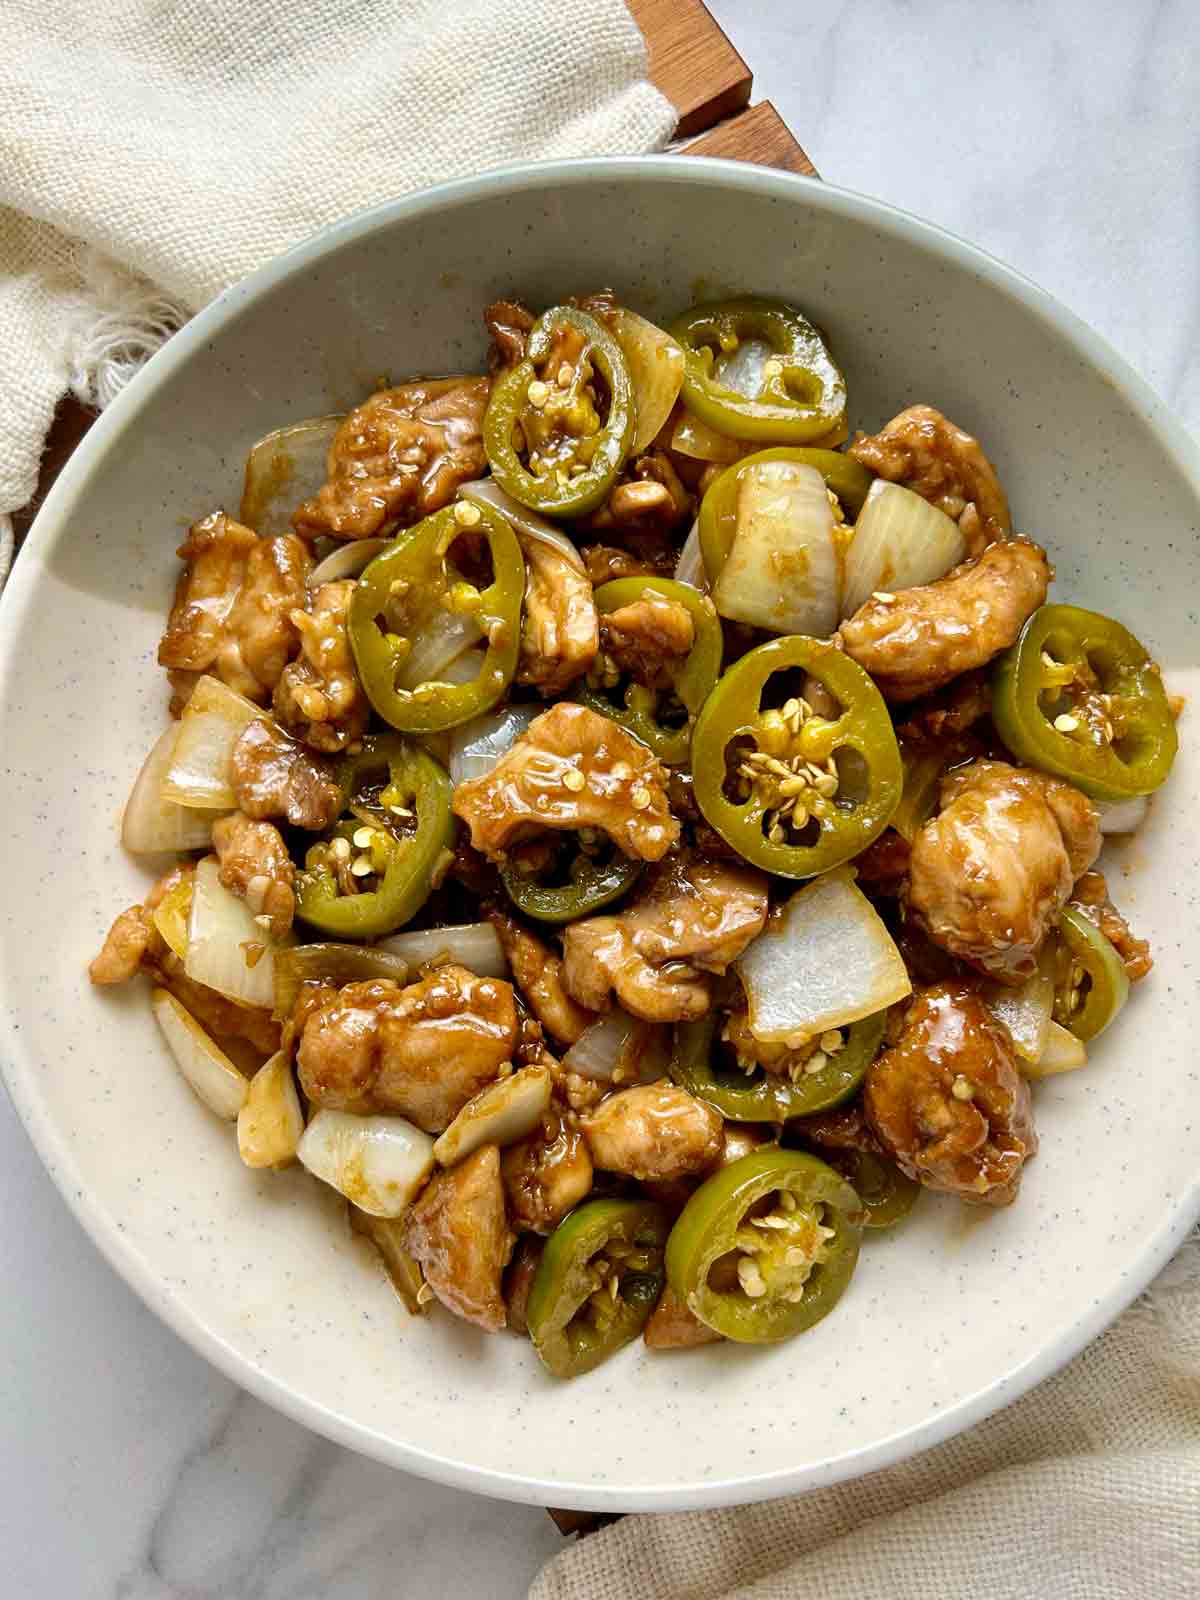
[846, 477]
[692, 682]
[591, 884]
[1091, 982]
[765, 1096]
[599, 1279]
[573, 456]
[413, 586]
[416, 792]
[794, 792]
[791, 1262]
[887, 1194]
[802, 396]
[1078, 696]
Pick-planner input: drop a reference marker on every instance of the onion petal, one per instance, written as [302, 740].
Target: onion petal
[379, 1163]
[474, 945]
[227, 949]
[899, 541]
[445, 637]
[1063, 1052]
[476, 746]
[824, 960]
[347, 561]
[213, 721]
[403, 1270]
[620, 1049]
[783, 571]
[1123, 816]
[152, 824]
[215, 1079]
[271, 1124]
[284, 468]
[690, 568]
[501, 1114]
[655, 363]
[1024, 1010]
[696, 439]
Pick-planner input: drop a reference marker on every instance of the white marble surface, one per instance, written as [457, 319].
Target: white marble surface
[1064, 137]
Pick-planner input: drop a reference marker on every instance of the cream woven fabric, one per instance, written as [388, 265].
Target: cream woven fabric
[151, 154]
[1088, 1489]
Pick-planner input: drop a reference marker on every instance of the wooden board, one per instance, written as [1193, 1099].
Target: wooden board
[759, 135]
[692, 62]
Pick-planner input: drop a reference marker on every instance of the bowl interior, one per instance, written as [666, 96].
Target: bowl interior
[948, 1315]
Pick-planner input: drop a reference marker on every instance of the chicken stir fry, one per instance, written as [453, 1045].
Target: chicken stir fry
[629, 923]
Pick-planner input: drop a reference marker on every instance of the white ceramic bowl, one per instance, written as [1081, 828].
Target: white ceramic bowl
[949, 1316]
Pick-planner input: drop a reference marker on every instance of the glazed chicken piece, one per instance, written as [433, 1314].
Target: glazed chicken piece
[655, 1131]
[509, 325]
[1090, 898]
[559, 630]
[546, 1174]
[233, 608]
[990, 873]
[915, 641]
[256, 866]
[538, 974]
[883, 866]
[274, 776]
[421, 1051]
[319, 697]
[124, 949]
[963, 703]
[948, 1103]
[572, 769]
[649, 639]
[692, 918]
[398, 457]
[605, 562]
[843, 1128]
[648, 496]
[672, 1326]
[456, 1229]
[944, 465]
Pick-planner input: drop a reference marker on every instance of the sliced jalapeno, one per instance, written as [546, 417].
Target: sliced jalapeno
[416, 586]
[1091, 982]
[599, 1279]
[782, 1229]
[768, 1097]
[792, 791]
[400, 847]
[590, 885]
[887, 1194]
[572, 455]
[642, 710]
[846, 477]
[1078, 696]
[801, 394]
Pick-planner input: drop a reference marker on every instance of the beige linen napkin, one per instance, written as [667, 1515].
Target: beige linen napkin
[151, 154]
[1087, 1489]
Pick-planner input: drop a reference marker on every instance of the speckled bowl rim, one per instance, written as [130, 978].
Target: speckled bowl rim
[20, 1076]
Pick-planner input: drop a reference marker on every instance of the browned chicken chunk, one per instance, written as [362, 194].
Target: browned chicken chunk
[421, 1051]
[648, 496]
[654, 1131]
[256, 866]
[605, 562]
[232, 613]
[944, 465]
[274, 776]
[125, 946]
[518, 1281]
[509, 325]
[398, 457]
[319, 697]
[990, 873]
[649, 639]
[538, 974]
[560, 630]
[547, 1173]
[1090, 898]
[692, 918]
[673, 1327]
[915, 641]
[572, 769]
[457, 1230]
[947, 1102]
